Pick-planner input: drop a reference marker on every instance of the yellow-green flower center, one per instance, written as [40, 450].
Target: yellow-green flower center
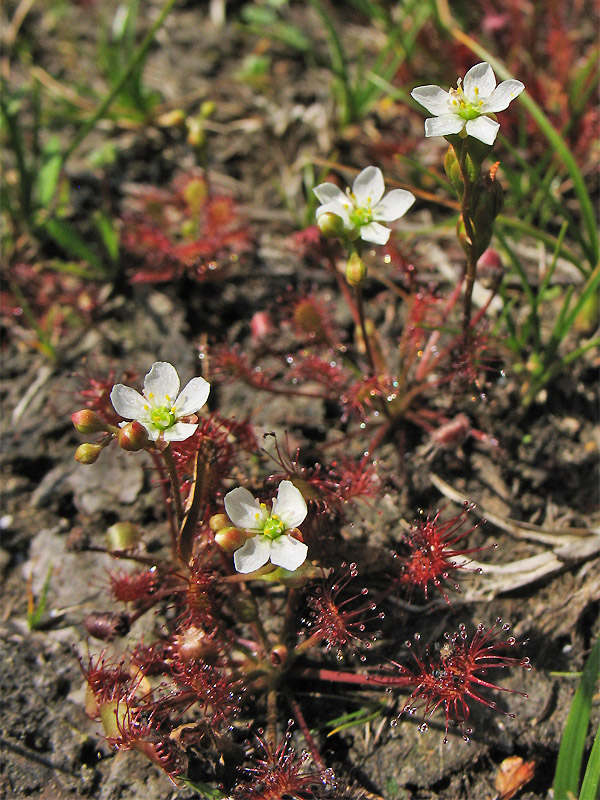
[273, 527]
[464, 107]
[162, 417]
[360, 215]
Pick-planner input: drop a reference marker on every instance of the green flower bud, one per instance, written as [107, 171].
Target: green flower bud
[122, 536]
[172, 119]
[356, 270]
[452, 168]
[218, 521]
[88, 453]
[87, 421]
[196, 136]
[331, 226]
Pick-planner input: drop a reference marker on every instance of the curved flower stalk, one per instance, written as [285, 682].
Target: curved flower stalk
[465, 110]
[269, 540]
[165, 413]
[363, 208]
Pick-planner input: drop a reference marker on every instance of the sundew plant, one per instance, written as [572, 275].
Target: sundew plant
[261, 597]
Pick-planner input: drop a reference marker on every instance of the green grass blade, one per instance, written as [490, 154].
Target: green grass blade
[72, 243]
[591, 780]
[568, 768]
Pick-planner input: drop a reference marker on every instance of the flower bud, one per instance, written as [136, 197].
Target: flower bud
[452, 168]
[88, 453]
[230, 539]
[133, 437]
[122, 536]
[196, 136]
[87, 421]
[171, 119]
[218, 521]
[207, 109]
[330, 225]
[356, 270]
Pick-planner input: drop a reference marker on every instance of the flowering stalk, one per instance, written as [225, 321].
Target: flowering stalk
[175, 489]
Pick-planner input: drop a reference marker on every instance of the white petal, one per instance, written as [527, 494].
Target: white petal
[242, 509]
[482, 77]
[329, 192]
[179, 432]
[153, 431]
[252, 555]
[394, 205]
[289, 505]
[368, 187]
[193, 396]
[503, 95]
[375, 233]
[335, 208]
[127, 402]
[444, 126]
[434, 99]
[288, 552]
[162, 382]
[483, 128]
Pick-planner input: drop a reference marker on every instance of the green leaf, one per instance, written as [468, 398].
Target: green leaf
[591, 779]
[67, 237]
[47, 179]
[203, 789]
[35, 613]
[570, 756]
[108, 233]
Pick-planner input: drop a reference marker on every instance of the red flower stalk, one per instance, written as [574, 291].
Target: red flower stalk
[430, 552]
[279, 773]
[451, 676]
[335, 615]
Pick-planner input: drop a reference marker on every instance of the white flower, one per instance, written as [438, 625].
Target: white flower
[162, 407]
[362, 209]
[270, 542]
[465, 108]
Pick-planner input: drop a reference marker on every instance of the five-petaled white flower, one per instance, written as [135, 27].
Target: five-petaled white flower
[362, 209]
[162, 407]
[269, 540]
[465, 108]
